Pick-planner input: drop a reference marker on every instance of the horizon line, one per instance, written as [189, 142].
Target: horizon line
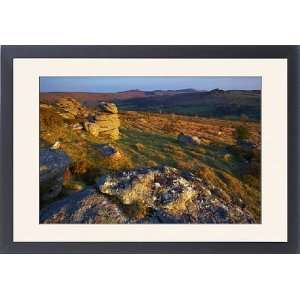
[131, 90]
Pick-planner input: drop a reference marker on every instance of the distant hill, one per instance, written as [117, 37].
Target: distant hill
[215, 103]
[231, 104]
[89, 98]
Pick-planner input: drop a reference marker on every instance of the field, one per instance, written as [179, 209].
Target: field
[213, 104]
[150, 139]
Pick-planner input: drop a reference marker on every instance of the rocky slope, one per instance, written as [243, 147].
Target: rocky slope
[147, 195]
[103, 120]
[101, 166]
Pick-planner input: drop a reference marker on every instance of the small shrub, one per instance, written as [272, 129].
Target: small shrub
[242, 133]
[185, 165]
[79, 167]
[252, 181]
[91, 175]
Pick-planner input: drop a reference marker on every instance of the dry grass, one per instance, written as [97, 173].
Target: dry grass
[235, 188]
[87, 162]
[213, 130]
[149, 139]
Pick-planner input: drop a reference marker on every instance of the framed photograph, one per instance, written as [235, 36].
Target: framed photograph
[149, 149]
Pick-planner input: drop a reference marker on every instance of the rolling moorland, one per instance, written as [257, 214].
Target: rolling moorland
[215, 103]
[182, 156]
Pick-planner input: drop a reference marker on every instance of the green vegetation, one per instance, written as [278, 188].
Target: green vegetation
[242, 133]
[227, 105]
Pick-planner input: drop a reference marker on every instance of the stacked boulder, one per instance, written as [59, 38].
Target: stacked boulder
[105, 123]
[70, 108]
[102, 123]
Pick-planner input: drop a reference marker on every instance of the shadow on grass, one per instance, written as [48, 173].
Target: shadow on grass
[159, 149]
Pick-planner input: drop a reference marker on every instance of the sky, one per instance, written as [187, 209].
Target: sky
[146, 83]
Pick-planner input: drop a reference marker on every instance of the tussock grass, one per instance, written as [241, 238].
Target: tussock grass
[150, 139]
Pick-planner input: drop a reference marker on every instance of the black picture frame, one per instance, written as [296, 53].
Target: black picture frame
[8, 53]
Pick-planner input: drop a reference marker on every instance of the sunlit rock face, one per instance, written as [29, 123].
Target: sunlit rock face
[105, 123]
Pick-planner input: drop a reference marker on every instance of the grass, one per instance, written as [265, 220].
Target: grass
[227, 105]
[158, 135]
[87, 162]
[150, 139]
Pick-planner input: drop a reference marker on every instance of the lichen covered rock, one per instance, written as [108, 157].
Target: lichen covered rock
[188, 139]
[105, 123]
[53, 164]
[70, 108]
[86, 207]
[108, 150]
[147, 196]
[108, 107]
[174, 194]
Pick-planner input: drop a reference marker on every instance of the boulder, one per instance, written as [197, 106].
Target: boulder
[129, 187]
[113, 134]
[109, 151]
[97, 130]
[53, 164]
[106, 119]
[92, 128]
[85, 207]
[171, 196]
[108, 107]
[71, 108]
[107, 122]
[188, 139]
[104, 125]
[68, 104]
[147, 195]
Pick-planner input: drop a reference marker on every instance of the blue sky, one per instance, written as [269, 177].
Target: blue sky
[146, 83]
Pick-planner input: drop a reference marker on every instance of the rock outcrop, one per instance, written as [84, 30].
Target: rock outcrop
[109, 151]
[53, 164]
[108, 107]
[105, 123]
[188, 139]
[148, 195]
[177, 195]
[86, 207]
[70, 108]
